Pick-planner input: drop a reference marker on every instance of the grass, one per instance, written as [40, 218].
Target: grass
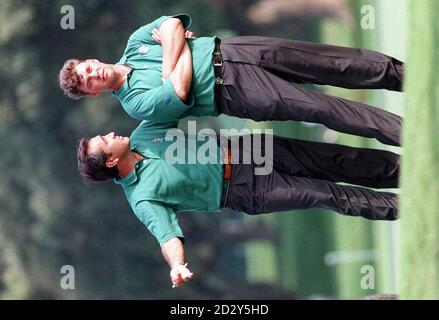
[306, 238]
[351, 234]
[392, 41]
[383, 237]
[420, 184]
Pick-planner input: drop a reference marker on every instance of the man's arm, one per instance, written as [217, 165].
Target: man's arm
[173, 251]
[181, 76]
[172, 39]
[162, 222]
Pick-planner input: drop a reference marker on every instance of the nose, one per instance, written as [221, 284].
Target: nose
[110, 135]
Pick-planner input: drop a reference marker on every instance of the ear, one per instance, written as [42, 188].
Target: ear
[111, 162]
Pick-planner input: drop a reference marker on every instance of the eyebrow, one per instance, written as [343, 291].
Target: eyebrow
[102, 139]
[81, 77]
[89, 142]
[98, 138]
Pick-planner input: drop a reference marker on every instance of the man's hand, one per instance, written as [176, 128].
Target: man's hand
[180, 274]
[156, 35]
[189, 35]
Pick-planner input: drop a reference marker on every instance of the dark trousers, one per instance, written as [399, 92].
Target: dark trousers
[305, 175]
[260, 82]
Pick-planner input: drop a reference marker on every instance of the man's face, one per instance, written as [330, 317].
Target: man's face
[95, 76]
[113, 146]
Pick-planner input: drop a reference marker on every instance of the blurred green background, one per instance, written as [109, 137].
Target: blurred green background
[49, 218]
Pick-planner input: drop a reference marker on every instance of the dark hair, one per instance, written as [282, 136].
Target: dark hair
[69, 80]
[92, 167]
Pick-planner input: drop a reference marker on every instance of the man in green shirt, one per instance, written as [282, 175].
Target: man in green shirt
[162, 77]
[304, 175]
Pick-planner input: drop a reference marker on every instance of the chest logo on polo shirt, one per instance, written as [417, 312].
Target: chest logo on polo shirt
[143, 49]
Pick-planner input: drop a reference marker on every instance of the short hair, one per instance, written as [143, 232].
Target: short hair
[69, 80]
[92, 167]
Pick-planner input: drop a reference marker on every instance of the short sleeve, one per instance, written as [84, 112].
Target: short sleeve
[160, 104]
[160, 220]
[144, 33]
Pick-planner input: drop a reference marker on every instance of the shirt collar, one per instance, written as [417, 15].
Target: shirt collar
[128, 180]
[143, 148]
[131, 178]
[126, 85]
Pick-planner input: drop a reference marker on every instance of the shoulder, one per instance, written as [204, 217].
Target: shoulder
[148, 129]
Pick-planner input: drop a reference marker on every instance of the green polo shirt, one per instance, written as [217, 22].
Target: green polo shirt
[144, 96]
[156, 190]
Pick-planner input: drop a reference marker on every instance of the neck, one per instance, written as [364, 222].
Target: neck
[121, 72]
[127, 164]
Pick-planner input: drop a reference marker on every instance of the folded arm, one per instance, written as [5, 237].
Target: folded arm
[181, 76]
[172, 38]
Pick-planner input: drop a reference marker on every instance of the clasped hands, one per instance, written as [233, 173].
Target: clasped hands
[180, 274]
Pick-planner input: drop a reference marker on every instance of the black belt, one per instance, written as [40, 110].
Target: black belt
[217, 61]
